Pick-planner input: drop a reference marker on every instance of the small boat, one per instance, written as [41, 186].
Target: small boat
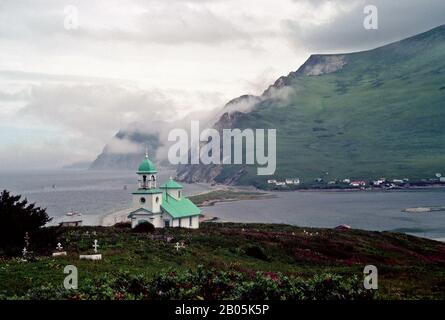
[73, 213]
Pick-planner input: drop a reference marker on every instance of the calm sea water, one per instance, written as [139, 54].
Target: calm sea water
[377, 211]
[95, 193]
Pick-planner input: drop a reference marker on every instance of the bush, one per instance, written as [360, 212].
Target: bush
[144, 227]
[209, 284]
[18, 217]
[123, 225]
[256, 252]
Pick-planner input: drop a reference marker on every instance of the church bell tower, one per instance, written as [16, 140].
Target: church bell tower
[147, 196]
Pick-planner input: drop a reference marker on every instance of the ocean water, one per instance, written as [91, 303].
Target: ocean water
[96, 193]
[378, 211]
[92, 193]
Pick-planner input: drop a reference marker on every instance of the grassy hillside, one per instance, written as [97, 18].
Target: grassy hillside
[232, 254]
[381, 114]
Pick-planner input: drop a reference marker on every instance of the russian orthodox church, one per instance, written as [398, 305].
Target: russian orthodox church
[164, 206]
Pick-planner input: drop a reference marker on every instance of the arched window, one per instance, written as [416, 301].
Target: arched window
[153, 177]
[179, 193]
[157, 199]
[142, 200]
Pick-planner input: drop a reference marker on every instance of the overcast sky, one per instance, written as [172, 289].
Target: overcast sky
[64, 92]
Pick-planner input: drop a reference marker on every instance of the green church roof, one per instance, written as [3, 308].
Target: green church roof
[171, 184]
[179, 208]
[147, 166]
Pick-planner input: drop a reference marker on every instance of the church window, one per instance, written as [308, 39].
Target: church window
[157, 199]
[142, 200]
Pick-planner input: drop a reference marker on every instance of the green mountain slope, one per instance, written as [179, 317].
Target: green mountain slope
[359, 115]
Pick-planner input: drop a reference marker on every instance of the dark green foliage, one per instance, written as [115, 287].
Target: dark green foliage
[123, 225]
[16, 218]
[256, 252]
[144, 227]
[210, 284]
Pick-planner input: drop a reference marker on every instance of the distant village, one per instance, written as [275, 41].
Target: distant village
[381, 183]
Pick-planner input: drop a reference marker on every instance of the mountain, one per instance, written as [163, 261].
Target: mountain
[78, 165]
[126, 150]
[358, 115]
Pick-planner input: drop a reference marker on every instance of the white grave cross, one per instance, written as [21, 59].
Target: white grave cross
[59, 247]
[95, 245]
[179, 246]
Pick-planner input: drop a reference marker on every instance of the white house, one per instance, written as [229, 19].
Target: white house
[358, 183]
[163, 206]
[292, 181]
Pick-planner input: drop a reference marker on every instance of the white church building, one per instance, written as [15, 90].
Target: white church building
[164, 206]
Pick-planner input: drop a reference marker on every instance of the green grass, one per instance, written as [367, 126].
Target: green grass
[409, 267]
[224, 195]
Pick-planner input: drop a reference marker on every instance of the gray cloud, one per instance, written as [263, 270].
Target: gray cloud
[149, 62]
[164, 22]
[397, 20]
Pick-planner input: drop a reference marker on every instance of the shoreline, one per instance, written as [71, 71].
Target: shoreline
[224, 194]
[413, 188]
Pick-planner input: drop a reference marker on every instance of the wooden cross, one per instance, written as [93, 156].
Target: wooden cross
[95, 246]
[179, 246]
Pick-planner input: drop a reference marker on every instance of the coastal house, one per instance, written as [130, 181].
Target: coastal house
[294, 181]
[358, 183]
[163, 206]
[379, 182]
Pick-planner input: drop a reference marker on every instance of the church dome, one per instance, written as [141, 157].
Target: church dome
[147, 166]
[171, 184]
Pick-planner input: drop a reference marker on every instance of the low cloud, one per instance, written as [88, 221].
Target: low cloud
[122, 146]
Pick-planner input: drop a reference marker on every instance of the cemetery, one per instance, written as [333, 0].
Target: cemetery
[250, 261]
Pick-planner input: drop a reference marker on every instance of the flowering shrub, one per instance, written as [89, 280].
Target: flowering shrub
[209, 284]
